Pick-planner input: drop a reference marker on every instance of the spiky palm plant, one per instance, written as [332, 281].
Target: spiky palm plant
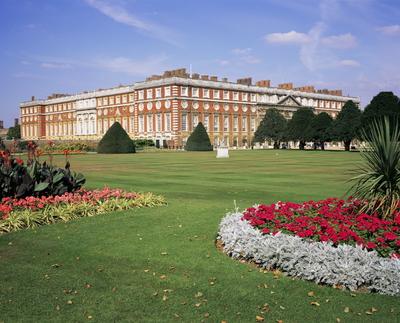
[378, 179]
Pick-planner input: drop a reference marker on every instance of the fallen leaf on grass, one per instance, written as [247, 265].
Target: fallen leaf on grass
[266, 308]
[259, 318]
[69, 302]
[197, 304]
[163, 276]
[315, 303]
[87, 285]
[206, 315]
[198, 294]
[346, 309]
[311, 294]
[164, 298]
[58, 307]
[164, 253]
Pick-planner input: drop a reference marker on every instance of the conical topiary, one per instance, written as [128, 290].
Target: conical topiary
[199, 140]
[116, 141]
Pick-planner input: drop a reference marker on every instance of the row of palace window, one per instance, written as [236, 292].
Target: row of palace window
[115, 100]
[195, 92]
[237, 123]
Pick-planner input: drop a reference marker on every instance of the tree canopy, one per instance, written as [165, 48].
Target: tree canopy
[116, 141]
[272, 127]
[299, 126]
[321, 129]
[199, 140]
[14, 132]
[347, 124]
[383, 104]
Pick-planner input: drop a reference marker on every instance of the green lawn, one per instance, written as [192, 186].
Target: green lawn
[149, 265]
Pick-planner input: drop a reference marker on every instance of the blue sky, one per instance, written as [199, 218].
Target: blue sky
[69, 46]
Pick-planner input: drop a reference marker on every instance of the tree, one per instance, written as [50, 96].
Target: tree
[321, 129]
[272, 127]
[299, 126]
[116, 141]
[198, 140]
[383, 104]
[347, 125]
[14, 132]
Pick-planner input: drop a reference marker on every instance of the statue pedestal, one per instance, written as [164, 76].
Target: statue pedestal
[222, 152]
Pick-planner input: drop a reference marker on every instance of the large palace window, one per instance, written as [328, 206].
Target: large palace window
[141, 123]
[216, 94]
[184, 91]
[244, 123]
[253, 97]
[149, 122]
[206, 93]
[253, 124]
[226, 95]
[245, 97]
[195, 120]
[158, 123]
[235, 96]
[149, 94]
[216, 122]
[206, 121]
[184, 122]
[167, 126]
[141, 95]
[235, 123]
[226, 123]
[195, 92]
[167, 91]
[158, 92]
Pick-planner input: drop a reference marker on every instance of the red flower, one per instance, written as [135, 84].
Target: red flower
[390, 236]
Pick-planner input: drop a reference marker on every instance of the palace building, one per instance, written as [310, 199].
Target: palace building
[167, 107]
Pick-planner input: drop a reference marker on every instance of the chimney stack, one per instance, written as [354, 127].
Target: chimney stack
[264, 83]
[244, 81]
[33, 98]
[1, 124]
[16, 122]
[285, 86]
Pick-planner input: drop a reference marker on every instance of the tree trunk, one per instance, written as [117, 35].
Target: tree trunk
[276, 144]
[302, 144]
[347, 145]
[322, 143]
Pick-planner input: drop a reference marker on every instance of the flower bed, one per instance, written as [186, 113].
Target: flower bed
[334, 220]
[342, 265]
[31, 211]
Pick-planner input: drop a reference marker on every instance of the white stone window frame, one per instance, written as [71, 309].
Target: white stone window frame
[216, 94]
[158, 92]
[195, 92]
[184, 91]
[149, 94]
[206, 93]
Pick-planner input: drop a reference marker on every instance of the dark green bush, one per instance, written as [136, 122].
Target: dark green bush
[116, 141]
[199, 140]
[144, 143]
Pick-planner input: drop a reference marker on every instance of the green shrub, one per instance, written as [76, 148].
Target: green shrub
[71, 146]
[378, 179]
[116, 141]
[199, 140]
[144, 142]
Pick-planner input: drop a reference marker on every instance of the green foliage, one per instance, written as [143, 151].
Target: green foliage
[321, 129]
[27, 218]
[378, 179]
[299, 127]
[35, 179]
[14, 132]
[272, 127]
[70, 146]
[116, 141]
[144, 143]
[347, 124]
[199, 140]
[383, 104]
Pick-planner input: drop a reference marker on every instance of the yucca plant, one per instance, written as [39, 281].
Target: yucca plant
[378, 179]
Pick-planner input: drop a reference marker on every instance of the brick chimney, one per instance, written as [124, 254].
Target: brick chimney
[285, 86]
[16, 122]
[1, 124]
[244, 81]
[33, 98]
[264, 83]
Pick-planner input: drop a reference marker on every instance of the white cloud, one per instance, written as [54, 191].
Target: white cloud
[390, 30]
[291, 37]
[340, 41]
[146, 67]
[349, 63]
[244, 55]
[123, 16]
[55, 65]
